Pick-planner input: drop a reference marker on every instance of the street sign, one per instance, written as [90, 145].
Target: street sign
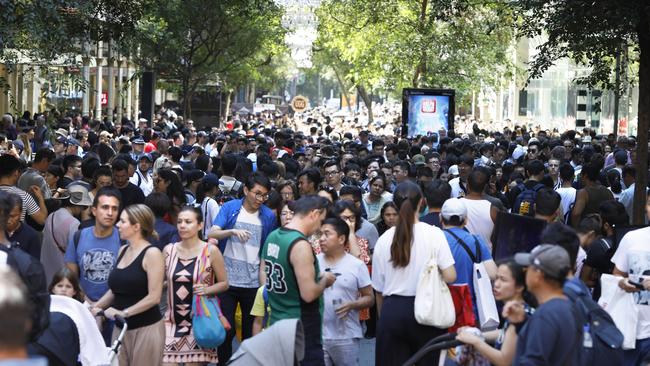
[104, 98]
[299, 103]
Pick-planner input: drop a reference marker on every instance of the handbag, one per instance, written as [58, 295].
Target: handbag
[208, 325]
[462, 298]
[620, 305]
[433, 303]
[486, 305]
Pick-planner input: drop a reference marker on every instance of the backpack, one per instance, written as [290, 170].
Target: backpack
[602, 342]
[233, 193]
[525, 201]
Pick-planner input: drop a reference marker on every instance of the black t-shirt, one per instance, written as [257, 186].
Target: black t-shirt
[26, 239]
[599, 255]
[63, 182]
[131, 194]
[432, 218]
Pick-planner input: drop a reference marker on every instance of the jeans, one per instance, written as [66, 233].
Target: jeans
[641, 352]
[341, 352]
[245, 297]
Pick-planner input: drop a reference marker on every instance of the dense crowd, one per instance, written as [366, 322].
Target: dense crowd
[328, 221]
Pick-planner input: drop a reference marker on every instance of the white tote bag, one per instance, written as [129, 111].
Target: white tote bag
[621, 307]
[486, 305]
[433, 303]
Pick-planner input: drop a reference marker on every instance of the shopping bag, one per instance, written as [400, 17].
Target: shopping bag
[620, 305]
[486, 305]
[462, 298]
[433, 303]
[207, 328]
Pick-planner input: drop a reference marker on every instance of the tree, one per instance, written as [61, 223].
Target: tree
[192, 42]
[45, 30]
[592, 32]
[387, 45]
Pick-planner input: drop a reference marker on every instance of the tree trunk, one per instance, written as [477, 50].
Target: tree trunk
[344, 90]
[228, 101]
[640, 196]
[367, 101]
[422, 65]
[185, 94]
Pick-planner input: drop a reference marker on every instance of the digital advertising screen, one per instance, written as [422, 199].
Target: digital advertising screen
[427, 112]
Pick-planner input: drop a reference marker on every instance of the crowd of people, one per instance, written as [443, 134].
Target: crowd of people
[285, 219]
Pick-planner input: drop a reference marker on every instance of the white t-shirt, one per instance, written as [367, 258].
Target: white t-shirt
[568, 196]
[633, 257]
[210, 209]
[390, 280]
[354, 276]
[456, 190]
[479, 221]
[242, 259]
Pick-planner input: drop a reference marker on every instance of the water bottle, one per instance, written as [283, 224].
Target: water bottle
[587, 342]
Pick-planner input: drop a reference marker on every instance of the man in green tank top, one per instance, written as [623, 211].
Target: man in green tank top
[293, 280]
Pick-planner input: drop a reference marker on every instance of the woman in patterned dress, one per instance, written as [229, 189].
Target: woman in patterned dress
[182, 263]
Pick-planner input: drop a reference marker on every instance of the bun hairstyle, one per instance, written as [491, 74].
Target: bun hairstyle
[141, 214]
[407, 196]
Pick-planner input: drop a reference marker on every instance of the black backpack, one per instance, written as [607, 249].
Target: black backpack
[525, 201]
[597, 326]
[32, 273]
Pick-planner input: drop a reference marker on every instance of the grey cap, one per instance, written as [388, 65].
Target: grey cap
[79, 195]
[551, 259]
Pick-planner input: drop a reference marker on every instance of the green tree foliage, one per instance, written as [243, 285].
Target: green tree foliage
[192, 42]
[591, 32]
[387, 45]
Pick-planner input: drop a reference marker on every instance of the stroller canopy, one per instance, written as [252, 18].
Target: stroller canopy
[281, 344]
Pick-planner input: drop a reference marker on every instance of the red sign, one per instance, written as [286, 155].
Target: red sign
[104, 98]
[622, 127]
[428, 106]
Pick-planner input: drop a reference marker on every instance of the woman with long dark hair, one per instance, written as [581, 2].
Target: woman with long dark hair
[168, 182]
[401, 254]
[389, 216]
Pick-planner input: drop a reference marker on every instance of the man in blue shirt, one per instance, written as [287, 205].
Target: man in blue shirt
[454, 218]
[241, 226]
[551, 336]
[92, 256]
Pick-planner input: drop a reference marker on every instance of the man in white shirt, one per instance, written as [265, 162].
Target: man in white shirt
[566, 191]
[142, 177]
[481, 215]
[632, 261]
[459, 184]
[350, 293]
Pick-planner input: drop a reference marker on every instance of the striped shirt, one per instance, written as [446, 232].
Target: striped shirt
[30, 206]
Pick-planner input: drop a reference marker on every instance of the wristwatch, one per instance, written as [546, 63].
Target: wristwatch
[126, 313]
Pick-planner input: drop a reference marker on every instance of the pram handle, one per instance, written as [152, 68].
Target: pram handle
[444, 341]
[118, 318]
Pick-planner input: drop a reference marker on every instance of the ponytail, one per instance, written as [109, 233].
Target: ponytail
[407, 196]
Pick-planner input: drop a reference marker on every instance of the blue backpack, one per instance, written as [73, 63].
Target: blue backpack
[525, 201]
[602, 342]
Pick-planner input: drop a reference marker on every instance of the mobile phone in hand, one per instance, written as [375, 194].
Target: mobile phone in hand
[638, 285]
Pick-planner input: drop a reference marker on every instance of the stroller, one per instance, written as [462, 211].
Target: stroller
[437, 344]
[73, 338]
[283, 343]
